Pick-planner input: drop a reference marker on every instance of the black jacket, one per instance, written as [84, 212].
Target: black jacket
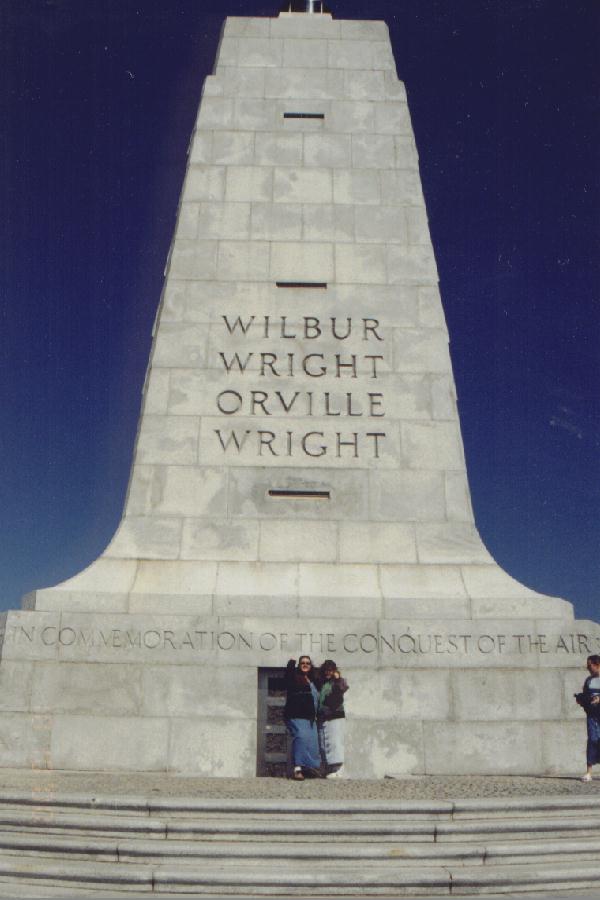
[584, 698]
[299, 703]
[333, 707]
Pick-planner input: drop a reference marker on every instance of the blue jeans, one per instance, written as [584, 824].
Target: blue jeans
[593, 741]
[305, 743]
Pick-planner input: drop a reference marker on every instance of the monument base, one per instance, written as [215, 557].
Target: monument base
[179, 693]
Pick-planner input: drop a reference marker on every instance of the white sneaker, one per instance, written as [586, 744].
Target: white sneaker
[587, 776]
[337, 774]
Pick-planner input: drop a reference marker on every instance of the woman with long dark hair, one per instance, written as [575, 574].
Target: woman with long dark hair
[300, 715]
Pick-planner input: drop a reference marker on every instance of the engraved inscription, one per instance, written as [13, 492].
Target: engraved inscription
[388, 644]
[264, 433]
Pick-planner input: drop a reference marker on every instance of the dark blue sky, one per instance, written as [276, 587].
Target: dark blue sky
[98, 101]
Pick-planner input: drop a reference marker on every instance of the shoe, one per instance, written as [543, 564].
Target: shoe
[298, 774]
[587, 776]
[337, 774]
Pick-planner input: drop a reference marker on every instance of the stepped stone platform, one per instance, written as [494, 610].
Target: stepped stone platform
[92, 834]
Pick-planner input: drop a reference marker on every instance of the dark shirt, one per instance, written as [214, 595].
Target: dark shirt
[332, 706]
[300, 701]
[591, 688]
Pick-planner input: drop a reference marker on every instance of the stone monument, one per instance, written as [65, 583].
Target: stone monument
[298, 482]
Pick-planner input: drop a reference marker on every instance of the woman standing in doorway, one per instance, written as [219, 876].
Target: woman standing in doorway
[300, 715]
[331, 718]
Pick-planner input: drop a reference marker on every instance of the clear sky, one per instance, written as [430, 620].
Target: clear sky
[98, 101]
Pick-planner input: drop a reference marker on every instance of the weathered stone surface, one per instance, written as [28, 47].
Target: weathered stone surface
[380, 224]
[80, 687]
[492, 747]
[294, 185]
[25, 741]
[193, 693]
[282, 540]
[125, 743]
[561, 741]
[224, 221]
[362, 263]
[243, 261]
[493, 694]
[168, 440]
[373, 151]
[276, 221]
[15, 686]
[382, 747]
[218, 747]
[153, 577]
[179, 490]
[332, 150]
[219, 540]
[304, 53]
[112, 576]
[155, 538]
[328, 222]
[377, 542]
[278, 149]
[406, 496]
[312, 84]
[248, 183]
[450, 542]
[401, 696]
[301, 262]
[204, 183]
[232, 148]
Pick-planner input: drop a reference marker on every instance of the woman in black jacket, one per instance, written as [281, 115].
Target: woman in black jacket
[300, 715]
[331, 717]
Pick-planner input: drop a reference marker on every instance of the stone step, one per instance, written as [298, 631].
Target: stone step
[349, 828]
[473, 808]
[152, 851]
[51, 821]
[517, 828]
[174, 845]
[294, 880]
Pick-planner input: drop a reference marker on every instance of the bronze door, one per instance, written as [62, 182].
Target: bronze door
[273, 744]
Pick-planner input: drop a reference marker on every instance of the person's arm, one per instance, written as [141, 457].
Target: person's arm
[336, 698]
[584, 698]
[339, 684]
[290, 671]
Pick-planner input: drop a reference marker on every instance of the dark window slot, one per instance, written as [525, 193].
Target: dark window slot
[304, 115]
[300, 495]
[318, 285]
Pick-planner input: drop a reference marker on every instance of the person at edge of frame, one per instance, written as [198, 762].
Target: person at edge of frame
[331, 718]
[589, 700]
[300, 716]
